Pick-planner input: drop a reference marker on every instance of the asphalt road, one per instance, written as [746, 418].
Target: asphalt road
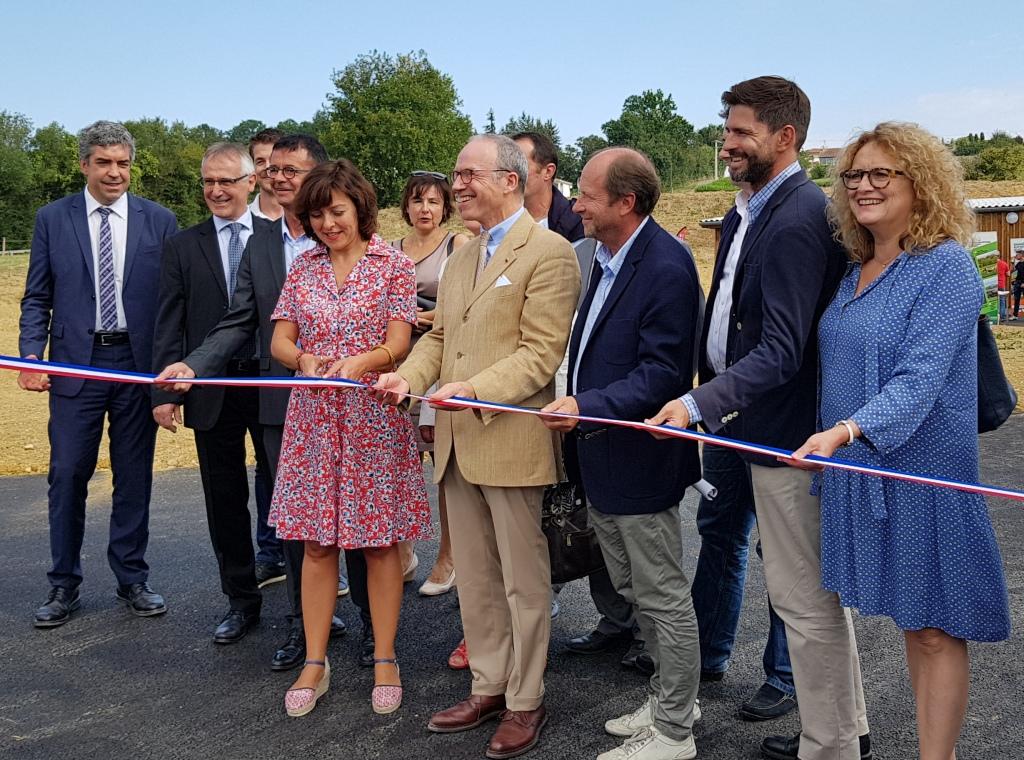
[109, 685]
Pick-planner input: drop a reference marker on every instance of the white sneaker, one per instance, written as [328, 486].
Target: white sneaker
[642, 717]
[628, 724]
[651, 744]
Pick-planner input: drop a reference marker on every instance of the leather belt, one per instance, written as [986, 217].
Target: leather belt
[109, 338]
[243, 367]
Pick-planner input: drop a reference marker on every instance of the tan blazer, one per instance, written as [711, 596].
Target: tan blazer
[506, 336]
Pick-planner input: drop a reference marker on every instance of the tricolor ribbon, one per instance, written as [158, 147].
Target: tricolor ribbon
[457, 402]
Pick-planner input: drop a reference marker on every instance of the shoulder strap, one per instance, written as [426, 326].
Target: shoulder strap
[451, 244]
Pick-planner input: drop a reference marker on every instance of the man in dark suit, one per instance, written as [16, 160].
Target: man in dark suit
[548, 207]
[197, 278]
[633, 343]
[261, 273]
[92, 274]
[777, 270]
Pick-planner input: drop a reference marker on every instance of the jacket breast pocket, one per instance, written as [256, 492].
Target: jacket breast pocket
[619, 340]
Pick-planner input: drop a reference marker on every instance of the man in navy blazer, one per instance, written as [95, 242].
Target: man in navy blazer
[632, 341]
[93, 273]
[777, 270]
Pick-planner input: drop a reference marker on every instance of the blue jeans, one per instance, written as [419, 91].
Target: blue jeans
[724, 524]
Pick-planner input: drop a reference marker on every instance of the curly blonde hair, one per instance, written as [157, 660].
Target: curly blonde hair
[940, 210]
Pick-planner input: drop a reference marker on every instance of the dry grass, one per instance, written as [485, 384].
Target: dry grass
[24, 416]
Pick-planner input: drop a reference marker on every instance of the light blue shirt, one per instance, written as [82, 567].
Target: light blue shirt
[497, 232]
[224, 237]
[723, 301]
[610, 264]
[294, 247]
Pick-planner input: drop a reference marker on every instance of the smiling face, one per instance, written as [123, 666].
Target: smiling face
[426, 209]
[482, 198]
[261, 159]
[884, 213]
[226, 201]
[108, 171]
[748, 147]
[599, 214]
[286, 189]
[336, 225]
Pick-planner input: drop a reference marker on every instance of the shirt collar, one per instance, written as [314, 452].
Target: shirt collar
[612, 263]
[287, 235]
[755, 203]
[245, 220]
[119, 207]
[497, 233]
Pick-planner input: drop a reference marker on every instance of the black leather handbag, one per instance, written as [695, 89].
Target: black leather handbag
[572, 544]
[996, 397]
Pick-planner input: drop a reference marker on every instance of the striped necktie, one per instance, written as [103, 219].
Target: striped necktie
[250, 348]
[108, 291]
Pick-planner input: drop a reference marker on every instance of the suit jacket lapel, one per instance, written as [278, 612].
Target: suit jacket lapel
[503, 257]
[80, 223]
[275, 244]
[210, 247]
[136, 221]
[765, 216]
[581, 316]
[632, 261]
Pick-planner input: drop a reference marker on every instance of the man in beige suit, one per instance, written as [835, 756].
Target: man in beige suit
[500, 331]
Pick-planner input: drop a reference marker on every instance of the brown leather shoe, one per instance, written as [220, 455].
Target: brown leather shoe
[467, 714]
[518, 733]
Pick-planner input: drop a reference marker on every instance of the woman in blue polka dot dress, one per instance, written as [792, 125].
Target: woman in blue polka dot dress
[899, 389]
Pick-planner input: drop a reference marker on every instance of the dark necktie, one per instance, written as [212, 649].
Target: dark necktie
[250, 348]
[108, 291]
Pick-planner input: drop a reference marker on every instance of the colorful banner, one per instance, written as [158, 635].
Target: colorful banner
[91, 373]
[985, 250]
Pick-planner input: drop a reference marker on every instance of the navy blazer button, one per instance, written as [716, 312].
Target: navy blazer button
[739, 325]
[724, 420]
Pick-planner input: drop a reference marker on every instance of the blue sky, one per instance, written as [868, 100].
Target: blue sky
[953, 67]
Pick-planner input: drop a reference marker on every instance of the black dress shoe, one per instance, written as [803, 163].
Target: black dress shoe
[269, 572]
[638, 657]
[786, 747]
[767, 703]
[711, 676]
[291, 654]
[234, 626]
[597, 642]
[337, 626]
[58, 607]
[141, 599]
[366, 646]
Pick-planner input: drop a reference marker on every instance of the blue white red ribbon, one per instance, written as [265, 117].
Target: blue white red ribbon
[92, 373]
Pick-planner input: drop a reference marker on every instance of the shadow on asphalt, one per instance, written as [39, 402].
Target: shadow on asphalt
[109, 685]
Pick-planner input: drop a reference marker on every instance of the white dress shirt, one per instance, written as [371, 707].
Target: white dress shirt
[718, 328]
[224, 238]
[118, 219]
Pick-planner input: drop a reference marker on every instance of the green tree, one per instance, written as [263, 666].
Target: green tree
[649, 123]
[17, 187]
[588, 146]
[568, 156]
[490, 128]
[709, 135]
[167, 165]
[1000, 163]
[244, 130]
[394, 115]
[54, 154]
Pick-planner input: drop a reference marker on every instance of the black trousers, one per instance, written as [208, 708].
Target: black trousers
[294, 552]
[221, 451]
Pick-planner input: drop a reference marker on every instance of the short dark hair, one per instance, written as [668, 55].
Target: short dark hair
[631, 172]
[265, 137]
[544, 150]
[305, 142]
[775, 102]
[417, 184]
[341, 176]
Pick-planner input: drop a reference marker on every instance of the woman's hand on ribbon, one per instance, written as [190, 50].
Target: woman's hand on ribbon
[33, 381]
[674, 413]
[822, 444]
[176, 371]
[347, 367]
[564, 405]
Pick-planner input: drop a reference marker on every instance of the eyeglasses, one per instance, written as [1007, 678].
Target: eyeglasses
[211, 182]
[435, 175]
[878, 177]
[289, 172]
[468, 175]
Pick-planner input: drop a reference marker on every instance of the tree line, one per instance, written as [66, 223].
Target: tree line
[391, 115]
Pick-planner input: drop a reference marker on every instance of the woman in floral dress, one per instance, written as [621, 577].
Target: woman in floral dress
[349, 474]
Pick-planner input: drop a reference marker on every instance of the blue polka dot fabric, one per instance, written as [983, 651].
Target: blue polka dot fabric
[900, 359]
